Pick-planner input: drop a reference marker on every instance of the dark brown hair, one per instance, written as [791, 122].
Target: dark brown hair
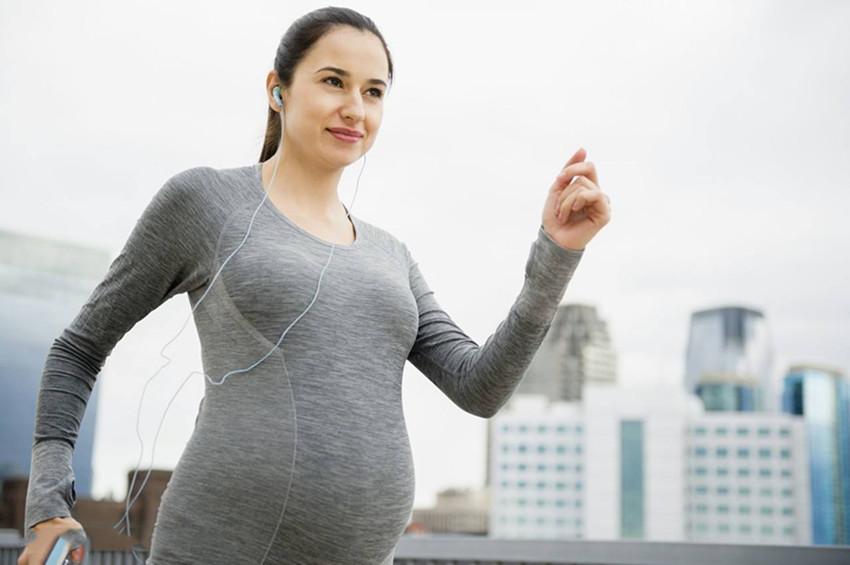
[295, 43]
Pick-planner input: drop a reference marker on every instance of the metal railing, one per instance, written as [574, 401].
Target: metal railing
[472, 550]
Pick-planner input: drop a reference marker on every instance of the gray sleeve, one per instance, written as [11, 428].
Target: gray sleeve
[167, 253]
[481, 379]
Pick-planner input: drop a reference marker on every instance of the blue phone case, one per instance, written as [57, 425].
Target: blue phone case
[64, 544]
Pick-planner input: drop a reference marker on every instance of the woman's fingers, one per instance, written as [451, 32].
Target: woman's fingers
[577, 184]
[585, 168]
[561, 179]
[577, 200]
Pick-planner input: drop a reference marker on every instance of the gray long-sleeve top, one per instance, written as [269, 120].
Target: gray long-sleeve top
[305, 458]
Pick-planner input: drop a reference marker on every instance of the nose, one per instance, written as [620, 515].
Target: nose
[353, 110]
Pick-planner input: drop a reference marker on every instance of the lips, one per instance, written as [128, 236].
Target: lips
[348, 132]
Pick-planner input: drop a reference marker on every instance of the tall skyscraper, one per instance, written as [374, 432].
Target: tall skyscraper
[729, 360]
[43, 284]
[822, 396]
[577, 349]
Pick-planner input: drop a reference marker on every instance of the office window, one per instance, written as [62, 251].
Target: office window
[767, 511]
[723, 509]
[721, 451]
[700, 451]
[784, 432]
[743, 472]
[722, 491]
[631, 479]
[561, 429]
[764, 452]
[721, 431]
[722, 471]
[765, 472]
[541, 466]
[743, 452]
[744, 491]
[785, 453]
[743, 432]
[699, 431]
[744, 509]
[523, 428]
[541, 429]
[766, 491]
[764, 432]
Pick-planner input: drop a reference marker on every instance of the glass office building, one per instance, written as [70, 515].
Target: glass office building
[729, 360]
[822, 396]
[43, 284]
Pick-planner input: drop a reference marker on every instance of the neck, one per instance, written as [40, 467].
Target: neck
[303, 186]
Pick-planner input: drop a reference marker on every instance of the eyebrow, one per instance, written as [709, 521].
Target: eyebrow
[345, 73]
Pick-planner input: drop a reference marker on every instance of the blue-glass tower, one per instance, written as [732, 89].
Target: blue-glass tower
[822, 396]
[43, 284]
[729, 360]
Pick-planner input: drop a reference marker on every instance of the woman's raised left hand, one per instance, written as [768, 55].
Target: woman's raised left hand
[576, 208]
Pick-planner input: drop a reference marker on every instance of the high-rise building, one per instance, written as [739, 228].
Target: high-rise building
[647, 464]
[729, 360]
[748, 479]
[577, 349]
[43, 284]
[821, 395]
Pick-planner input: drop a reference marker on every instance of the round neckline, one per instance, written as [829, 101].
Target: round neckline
[358, 231]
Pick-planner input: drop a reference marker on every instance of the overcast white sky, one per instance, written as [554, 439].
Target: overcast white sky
[720, 131]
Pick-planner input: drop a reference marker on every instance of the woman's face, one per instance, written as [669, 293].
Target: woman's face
[319, 98]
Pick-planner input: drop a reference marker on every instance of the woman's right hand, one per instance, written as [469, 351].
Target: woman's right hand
[46, 533]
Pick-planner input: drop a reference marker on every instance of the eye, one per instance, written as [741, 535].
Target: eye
[378, 92]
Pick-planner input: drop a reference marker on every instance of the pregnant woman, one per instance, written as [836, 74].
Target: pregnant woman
[306, 316]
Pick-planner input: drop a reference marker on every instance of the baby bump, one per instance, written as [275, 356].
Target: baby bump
[353, 485]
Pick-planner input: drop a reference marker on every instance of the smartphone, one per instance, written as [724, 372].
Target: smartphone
[70, 548]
